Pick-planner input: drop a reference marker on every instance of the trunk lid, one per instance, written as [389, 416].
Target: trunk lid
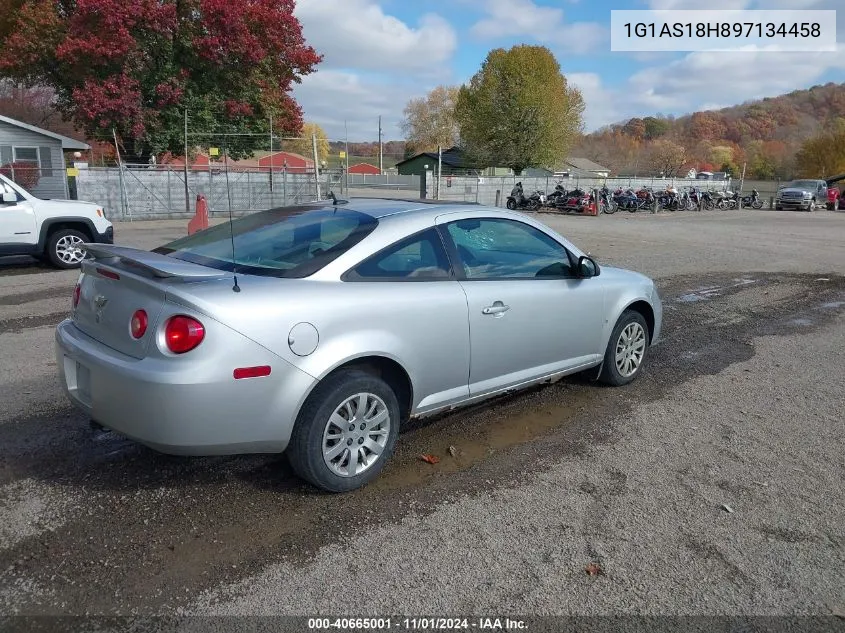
[118, 282]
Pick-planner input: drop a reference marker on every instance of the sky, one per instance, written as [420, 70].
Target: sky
[378, 54]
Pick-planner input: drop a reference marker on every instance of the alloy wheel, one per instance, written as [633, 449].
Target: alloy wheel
[630, 349]
[68, 249]
[356, 434]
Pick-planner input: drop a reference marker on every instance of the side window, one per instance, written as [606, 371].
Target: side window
[507, 249]
[420, 257]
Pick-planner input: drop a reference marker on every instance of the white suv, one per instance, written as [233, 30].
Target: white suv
[51, 230]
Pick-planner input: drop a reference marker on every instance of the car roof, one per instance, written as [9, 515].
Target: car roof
[384, 207]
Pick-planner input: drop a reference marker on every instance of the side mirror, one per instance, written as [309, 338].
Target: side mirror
[587, 267]
[9, 197]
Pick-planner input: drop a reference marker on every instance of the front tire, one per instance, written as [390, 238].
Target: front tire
[345, 432]
[63, 248]
[626, 351]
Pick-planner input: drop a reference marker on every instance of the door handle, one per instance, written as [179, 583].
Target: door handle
[498, 309]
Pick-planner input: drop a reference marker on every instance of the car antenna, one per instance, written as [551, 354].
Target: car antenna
[335, 200]
[236, 287]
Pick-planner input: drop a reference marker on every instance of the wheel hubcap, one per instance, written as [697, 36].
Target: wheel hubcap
[68, 249]
[630, 349]
[356, 434]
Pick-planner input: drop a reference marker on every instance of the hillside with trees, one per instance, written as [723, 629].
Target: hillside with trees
[766, 135]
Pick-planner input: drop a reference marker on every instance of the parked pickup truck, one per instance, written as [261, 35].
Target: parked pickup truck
[801, 194]
[50, 230]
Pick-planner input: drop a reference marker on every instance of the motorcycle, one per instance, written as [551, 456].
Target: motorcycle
[606, 203]
[576, 200]
[554, 197]
[518, 200]
[670, 201]
[695, 199]
[752, 201]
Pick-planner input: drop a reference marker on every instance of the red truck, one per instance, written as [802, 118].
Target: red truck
[835, 198]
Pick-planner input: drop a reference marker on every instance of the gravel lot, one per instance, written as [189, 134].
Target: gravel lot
[713, 485]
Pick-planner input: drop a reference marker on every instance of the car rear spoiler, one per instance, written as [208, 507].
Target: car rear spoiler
[159, 265]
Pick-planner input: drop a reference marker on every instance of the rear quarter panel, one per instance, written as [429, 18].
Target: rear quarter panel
[423, 326]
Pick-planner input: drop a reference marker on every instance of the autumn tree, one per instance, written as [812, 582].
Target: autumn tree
[666, 157]
[305, 146]
[518, 110]
[635, 128]
[135, 67]
[822, 155]
[430, 121]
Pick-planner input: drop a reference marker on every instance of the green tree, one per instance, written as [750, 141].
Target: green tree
[430, 121]
[518, 110]
[655, 127]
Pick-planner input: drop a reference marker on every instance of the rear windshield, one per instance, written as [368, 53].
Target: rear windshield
[286, 242]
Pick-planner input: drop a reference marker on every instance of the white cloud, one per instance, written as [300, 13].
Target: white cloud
[359, 34]
[373, 64]
[523, 18]
[332, 97]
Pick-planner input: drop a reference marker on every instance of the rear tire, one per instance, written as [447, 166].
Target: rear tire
[316, 434]
[63, 248]
[626, 351]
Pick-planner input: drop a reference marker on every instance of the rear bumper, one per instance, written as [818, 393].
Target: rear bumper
[183, 410]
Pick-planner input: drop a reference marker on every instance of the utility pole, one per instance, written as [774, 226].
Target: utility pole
[316, 164]
[187, 193]
[271, 153]
[439, 168]
[380, 152]
[346, 171]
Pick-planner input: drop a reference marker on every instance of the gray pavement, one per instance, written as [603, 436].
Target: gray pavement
[713, 485]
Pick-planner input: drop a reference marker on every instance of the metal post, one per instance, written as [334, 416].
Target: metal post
[187, 194]
[271, 157]
[285, 184]
[316, 165]
[380, 152]
[439, 170]
[123, 198]
[346, 172]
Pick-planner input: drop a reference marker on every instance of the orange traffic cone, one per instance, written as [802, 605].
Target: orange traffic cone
[200, 220]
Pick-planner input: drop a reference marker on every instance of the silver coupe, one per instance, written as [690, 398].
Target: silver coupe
[318, 329]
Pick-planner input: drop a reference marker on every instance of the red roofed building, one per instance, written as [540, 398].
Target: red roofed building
[365, 169]
[295, 163]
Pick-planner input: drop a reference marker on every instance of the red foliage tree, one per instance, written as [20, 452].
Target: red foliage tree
[136, 66]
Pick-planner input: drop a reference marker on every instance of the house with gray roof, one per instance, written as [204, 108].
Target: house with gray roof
[36, 154]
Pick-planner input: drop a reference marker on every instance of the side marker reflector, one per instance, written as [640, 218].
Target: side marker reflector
[251, 372]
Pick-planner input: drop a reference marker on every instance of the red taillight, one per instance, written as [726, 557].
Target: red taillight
[76, 293]
[138, 324]
[108, 273]
[182, 334]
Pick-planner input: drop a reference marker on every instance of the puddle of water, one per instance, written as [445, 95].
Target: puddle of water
[743, 282]
[694, 296]
[472, 445]
[801, 322]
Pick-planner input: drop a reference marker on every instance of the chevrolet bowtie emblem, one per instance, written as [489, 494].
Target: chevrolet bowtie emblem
[99, 303]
